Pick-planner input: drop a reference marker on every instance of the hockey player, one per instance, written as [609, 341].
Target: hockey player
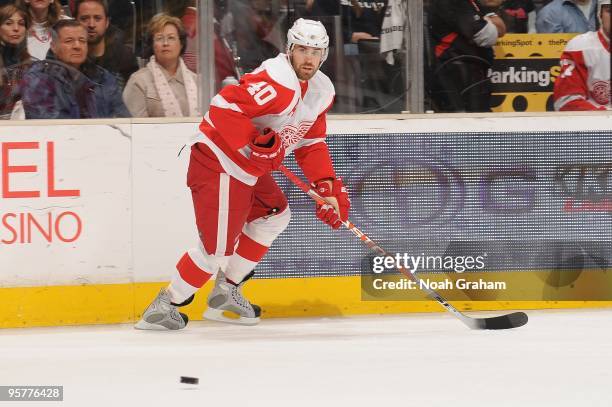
[584, 83]
[463, 33]
[278, 109]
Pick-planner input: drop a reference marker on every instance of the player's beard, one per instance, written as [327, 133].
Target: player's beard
[305, 75]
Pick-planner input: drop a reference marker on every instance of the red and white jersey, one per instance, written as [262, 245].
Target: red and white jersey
[584, 83]
[270, 97]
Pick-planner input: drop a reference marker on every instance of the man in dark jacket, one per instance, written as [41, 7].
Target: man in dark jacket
[65, 86]
[463, 33]
[105, 42]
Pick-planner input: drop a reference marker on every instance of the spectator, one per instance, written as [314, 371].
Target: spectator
[362, 20]
[380, 67]
[121, 13]
[13, 26]
[584, 83]
[42, 15]
[225, 65]
[463, 37]
[567, 16]
[254, 22]
[224, 60]
[319, 8]
[66, 86]
[519, 16]
[14, 57]
[104, 41]
[165, 87]
[187, 12]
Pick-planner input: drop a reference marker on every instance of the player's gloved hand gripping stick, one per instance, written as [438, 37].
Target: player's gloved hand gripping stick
[512, 320]
[334, 195]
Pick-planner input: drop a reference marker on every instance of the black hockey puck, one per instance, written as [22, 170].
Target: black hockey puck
[189, 380]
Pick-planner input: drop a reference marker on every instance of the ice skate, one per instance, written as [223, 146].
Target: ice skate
[227, 304]
[161, 315]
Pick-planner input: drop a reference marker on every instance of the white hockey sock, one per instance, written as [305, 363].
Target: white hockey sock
[256, 238]
[179, 290]
[192, 272]
[238, 268]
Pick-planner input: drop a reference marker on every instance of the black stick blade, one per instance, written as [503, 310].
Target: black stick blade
[514, 320]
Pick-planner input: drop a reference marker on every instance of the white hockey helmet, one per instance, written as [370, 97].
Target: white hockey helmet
[308, 33]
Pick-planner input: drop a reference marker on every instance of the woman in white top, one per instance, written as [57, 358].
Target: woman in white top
[165, 87]
[43, 14]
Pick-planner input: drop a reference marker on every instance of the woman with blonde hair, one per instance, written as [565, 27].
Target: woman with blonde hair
[14, 56]
[42, 15]
[165, 87]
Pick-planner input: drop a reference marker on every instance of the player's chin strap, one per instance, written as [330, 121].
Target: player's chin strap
[513, 320]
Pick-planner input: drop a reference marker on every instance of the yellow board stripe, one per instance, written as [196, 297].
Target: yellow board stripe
[293, 297]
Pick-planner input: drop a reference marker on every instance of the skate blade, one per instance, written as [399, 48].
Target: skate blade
[218, 315]
[147, 326]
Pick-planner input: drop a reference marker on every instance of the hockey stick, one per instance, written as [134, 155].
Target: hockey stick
[512, 320]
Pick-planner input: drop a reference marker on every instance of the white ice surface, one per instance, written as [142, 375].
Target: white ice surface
[560, 358]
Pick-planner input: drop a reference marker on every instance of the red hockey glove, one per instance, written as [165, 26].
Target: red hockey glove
[337, 210]
[267, 151]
